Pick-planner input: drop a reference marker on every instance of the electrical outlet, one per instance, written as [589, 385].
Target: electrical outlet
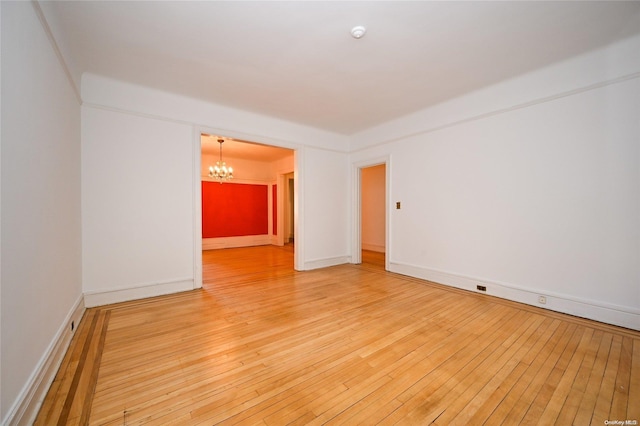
[481, 288]
[542, 300]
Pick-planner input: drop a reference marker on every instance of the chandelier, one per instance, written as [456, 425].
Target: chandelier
[220, 171]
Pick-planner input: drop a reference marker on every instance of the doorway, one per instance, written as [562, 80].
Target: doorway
[373, 214]
[266, 173]
[371, 211]
[288, 208]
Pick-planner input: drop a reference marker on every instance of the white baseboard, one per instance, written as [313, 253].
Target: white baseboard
[323, 263]
[30, 399]
[232, 242]
[100, 298]
[607, 313]
[373, 247]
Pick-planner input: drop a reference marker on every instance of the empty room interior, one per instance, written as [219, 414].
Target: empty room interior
[301, 212]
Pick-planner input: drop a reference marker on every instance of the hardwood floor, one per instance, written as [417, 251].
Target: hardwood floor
[351, 344]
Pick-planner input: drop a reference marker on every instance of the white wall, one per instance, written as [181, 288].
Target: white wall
[249, 171]
[1, 410]
[373, 209]
[283, 166]
[41, 236]
[217, 119]
[140, 210]
[245, 171]
[137, 205]
[326, 208]
[537, 197]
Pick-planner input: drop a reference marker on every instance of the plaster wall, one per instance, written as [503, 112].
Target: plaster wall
[140, 209]
[137, 202]
[326, 213]
[540, 197]
[243, 170]
[41, 235]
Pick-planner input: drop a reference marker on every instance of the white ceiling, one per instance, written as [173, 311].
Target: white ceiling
[297, 61]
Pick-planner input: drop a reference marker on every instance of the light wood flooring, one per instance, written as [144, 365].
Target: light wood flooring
[351, 344]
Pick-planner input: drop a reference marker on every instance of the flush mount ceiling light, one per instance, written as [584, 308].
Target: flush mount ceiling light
[358, 31]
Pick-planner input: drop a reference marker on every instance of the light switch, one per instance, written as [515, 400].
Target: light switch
[397, 205]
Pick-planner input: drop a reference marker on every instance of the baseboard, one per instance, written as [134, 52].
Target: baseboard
[373, 247]
[607, 313]
[107, 297]
[324, 263]
[29, 401]
[232, 242]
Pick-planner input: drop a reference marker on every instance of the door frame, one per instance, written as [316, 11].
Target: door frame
[298, 219]
[356, 208]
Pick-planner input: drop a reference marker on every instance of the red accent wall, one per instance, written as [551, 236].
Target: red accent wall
[274, 208]
[234, 209]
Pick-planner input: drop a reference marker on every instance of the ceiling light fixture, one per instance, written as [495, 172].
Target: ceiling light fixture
[220, 171]
[358, 31]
